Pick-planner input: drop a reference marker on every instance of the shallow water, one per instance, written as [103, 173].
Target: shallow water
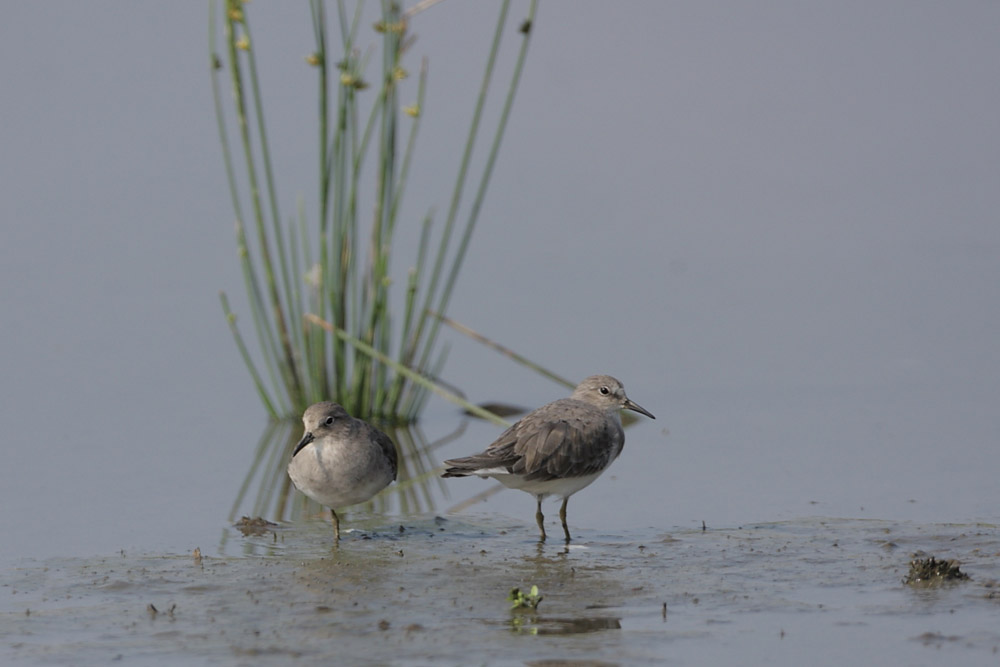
[812, 590]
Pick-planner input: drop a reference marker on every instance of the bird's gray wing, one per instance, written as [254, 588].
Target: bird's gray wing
[570, 443]
[388, 448]
[500, 454]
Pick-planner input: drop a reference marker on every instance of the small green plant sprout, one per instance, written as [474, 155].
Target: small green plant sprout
[521, 601]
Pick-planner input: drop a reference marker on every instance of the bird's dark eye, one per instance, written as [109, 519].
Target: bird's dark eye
[605, 391]
[329, 421]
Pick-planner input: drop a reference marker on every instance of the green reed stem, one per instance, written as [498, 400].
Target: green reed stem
[446, 292]
[257, 381]
[237, 17]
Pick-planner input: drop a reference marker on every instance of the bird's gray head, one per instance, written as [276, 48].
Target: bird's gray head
[320, 419]
[607, 393]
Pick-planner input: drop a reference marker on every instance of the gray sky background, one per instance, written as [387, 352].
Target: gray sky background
[775, 222]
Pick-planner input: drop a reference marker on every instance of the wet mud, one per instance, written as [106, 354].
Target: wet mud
[437, 590]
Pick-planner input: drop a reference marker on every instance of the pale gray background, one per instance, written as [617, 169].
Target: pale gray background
[775, 222]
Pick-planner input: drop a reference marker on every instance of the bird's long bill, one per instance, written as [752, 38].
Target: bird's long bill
[307, 437]
[635, 407]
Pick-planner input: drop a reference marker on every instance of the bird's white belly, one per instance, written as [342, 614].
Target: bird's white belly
[334, 477]
[563, 487]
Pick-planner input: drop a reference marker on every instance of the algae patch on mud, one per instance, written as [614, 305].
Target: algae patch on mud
[929, 572]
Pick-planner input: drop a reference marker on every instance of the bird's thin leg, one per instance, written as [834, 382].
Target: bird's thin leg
[336, 524]
[562, 517]
[540, 519]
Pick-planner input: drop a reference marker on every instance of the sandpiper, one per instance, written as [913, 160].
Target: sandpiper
[341, 461]
[559, 448]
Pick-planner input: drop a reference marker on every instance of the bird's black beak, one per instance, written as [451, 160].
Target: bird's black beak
[307, 437]
[635, 407]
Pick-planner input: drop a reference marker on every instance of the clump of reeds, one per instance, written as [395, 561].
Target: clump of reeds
[337, 266]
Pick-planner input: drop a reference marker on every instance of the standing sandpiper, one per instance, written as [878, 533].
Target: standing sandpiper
[341, 461]
[559, 448]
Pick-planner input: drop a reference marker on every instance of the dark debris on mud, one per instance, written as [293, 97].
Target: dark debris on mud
[255, 527]
[930, 572]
